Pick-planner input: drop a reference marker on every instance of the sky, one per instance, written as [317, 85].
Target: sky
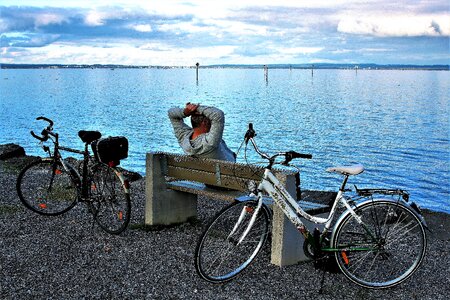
[181, 33]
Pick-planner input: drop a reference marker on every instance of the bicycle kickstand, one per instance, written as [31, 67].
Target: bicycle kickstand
[322, 281]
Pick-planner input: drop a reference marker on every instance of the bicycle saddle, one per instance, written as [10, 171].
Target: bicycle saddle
[89, 136]
[350, 170]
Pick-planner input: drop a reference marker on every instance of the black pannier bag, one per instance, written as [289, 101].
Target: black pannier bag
[110, 150]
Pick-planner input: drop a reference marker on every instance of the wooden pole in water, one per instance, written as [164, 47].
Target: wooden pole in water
[266, 73]
[197, 65]
[312, 70]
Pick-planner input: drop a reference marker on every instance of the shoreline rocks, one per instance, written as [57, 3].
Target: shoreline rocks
[11, 151]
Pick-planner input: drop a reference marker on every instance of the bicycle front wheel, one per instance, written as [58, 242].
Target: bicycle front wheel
[383, 252]
[110, 199]
[45, 187]
[219, 256]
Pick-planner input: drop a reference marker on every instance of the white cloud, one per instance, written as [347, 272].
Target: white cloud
[47, 19]
[301, 50]
[183, 27]
[155, 46]
[94, 18]
[396, 25]
[150, 54]
[238, 28]
[142, 27]
[361, 50]
[178, 32]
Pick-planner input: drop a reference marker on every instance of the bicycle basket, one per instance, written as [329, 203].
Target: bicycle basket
[110, 150]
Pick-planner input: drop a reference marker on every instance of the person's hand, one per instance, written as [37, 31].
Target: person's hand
[190, 109]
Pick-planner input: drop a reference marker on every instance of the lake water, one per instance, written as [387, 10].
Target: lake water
[394, 122]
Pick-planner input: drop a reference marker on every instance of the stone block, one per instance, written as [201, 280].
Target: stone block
[10, 151]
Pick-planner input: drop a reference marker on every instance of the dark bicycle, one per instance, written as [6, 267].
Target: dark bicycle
[51, 186]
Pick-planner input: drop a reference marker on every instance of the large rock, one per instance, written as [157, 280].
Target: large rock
[10, 151]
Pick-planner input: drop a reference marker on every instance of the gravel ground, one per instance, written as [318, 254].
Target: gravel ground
[67, 257]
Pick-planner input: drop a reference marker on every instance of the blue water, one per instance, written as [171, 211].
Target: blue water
[394, 122]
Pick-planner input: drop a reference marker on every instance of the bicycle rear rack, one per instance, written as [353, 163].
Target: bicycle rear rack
[390, 192]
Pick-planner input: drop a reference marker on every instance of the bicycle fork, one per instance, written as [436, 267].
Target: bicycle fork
[244, 212]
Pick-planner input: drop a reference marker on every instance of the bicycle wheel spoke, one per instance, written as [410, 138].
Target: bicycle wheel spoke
[219, 256]
[214, 266]
[402, 232]
[396, 253]
[45, 191]
[112, 201]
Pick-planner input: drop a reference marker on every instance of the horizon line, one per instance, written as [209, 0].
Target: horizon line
[273, 66]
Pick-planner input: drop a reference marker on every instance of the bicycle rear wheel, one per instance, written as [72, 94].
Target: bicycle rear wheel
[218, 255]
[110, 197]
[45, 187]
[385, 253]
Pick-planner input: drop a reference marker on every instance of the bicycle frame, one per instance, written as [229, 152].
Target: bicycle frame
[58, 157]
[289, 205]
[291, 208]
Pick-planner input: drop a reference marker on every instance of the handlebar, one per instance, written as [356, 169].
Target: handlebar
[290, 155]
[46, 119]
[45, 132]
[42, 139]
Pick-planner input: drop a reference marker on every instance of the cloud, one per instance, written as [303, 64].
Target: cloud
[243, 31]
[95, 18]
[254, 51]
[301, 50]
[142, 27]
[16, 19]
[48, 18]
[28, 40]
[396, 26]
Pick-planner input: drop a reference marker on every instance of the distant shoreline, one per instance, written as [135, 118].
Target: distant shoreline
[234, 66]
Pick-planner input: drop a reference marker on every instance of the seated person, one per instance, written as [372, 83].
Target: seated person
[204, 139]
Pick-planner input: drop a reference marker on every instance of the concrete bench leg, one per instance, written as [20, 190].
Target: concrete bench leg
[164, 206]
[287, 242]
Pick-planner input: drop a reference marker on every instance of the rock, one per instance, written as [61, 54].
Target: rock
[130, 175]
[10, 151]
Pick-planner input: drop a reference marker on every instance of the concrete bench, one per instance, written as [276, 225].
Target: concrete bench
[174, 181]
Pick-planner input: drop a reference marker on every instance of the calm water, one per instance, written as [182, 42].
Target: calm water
[396, 123]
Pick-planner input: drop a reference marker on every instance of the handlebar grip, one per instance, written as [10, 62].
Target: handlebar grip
[42, 139]
[300, 155]
[45, 119]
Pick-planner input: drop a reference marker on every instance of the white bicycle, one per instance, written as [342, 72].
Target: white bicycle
[377, 242]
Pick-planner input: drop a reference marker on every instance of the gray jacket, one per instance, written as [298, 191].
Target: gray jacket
[207, 145]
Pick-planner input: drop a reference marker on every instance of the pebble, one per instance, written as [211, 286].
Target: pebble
[66, 257]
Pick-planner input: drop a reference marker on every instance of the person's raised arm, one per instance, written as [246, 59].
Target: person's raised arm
[217, 118]
[176, 116]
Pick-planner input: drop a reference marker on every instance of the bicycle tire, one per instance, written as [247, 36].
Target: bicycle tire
[218, 258]
[110, 199]
[45, 187]
[392, 255]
